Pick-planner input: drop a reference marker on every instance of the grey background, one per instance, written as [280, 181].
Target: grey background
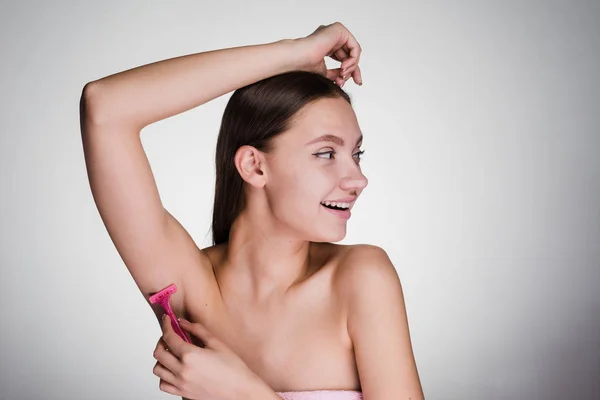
[481, 124]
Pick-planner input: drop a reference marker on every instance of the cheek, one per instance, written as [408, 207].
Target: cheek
[302, 189]
[299, 184]
[298, 192]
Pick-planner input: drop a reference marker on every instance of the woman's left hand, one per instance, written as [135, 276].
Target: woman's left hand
[214, 372]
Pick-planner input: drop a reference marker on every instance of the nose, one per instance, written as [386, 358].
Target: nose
[354, 180]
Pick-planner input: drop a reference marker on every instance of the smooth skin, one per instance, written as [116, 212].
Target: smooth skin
[278, 307]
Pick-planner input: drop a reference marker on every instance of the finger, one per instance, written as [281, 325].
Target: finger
[348, 66]
[353, 47]
[201, 332]
[333, 74]
[166, 358]
[354, 52]
[356, 75]
[164, 373]
[351, 72]
[174, 343]
[347, 73]
[346, 76]
[343, 57]
[341, 54]
[168, 388]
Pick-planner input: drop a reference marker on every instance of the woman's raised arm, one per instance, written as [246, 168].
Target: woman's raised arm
[149, 93]
[146, 94]
[156, 249]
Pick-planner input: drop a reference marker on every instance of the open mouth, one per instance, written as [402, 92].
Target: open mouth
[339, 209]
[336, 206]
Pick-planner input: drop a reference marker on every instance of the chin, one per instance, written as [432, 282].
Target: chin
[330, 235]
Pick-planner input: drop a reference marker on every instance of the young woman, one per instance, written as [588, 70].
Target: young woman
[278, 311]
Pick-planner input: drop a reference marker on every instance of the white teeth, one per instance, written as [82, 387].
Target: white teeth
[336, 204]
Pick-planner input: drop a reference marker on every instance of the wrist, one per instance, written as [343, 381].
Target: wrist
[299, 55]
[257, 389]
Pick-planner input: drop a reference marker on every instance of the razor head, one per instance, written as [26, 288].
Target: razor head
[164, 294]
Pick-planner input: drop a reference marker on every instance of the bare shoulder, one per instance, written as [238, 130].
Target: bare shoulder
[363, 264]
[366, 278]
[377, 324]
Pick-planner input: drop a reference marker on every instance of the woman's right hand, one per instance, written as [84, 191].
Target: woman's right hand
[334, 41]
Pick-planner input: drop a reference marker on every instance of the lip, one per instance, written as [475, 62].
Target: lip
[344, 200]
[350, 200]
[345, 214]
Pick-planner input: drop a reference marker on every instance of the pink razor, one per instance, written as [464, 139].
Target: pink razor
[162, 298]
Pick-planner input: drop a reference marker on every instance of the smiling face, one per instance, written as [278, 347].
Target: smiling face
[316, 160]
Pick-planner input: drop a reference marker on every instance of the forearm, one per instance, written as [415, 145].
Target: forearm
[152, 92]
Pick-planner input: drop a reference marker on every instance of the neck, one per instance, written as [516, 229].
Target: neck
[262, 261]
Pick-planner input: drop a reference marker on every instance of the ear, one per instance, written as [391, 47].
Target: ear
[250, 164]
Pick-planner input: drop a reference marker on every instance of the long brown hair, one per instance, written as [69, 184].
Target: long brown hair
[254, 115]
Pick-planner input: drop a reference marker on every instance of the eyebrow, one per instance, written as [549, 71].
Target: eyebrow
[332, 138]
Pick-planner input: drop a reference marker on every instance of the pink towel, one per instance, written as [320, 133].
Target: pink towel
[322, 395]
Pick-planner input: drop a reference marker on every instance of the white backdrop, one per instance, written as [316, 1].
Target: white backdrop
[482, 128]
